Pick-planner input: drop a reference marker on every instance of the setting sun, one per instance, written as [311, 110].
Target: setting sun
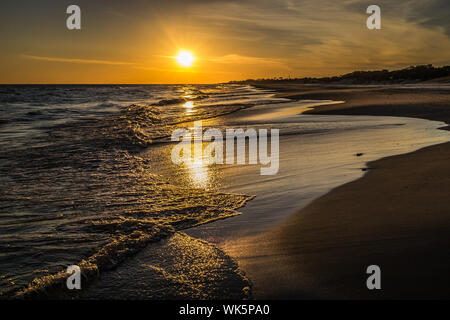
[185, 58]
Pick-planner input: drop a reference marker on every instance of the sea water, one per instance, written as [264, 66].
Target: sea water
[87, 179]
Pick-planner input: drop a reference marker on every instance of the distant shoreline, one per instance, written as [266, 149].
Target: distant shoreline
[411, 75]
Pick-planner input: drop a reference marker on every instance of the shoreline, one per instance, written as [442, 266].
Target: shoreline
[283, 274]
[395, 216]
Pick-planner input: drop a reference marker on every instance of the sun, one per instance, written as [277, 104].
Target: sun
[185, 58]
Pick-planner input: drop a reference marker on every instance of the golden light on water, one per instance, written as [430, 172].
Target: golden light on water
[185, 58]
[189, 106]
[198, 171]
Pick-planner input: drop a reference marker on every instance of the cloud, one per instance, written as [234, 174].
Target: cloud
[70, 60]
[238, 59]
[243, 37]
[328, 37]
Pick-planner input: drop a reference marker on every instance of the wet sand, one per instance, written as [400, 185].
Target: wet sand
[397, 216]
[322, 250]
[429, 101]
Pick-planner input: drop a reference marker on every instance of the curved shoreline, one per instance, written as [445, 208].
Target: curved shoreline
[130, 230]
[316, 258]
[396, 216]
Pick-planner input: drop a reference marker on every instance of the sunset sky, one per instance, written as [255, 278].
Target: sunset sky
[135, 41]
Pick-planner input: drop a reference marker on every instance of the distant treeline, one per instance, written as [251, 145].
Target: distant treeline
[407, 75]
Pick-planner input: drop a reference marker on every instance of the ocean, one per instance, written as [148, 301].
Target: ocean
[86, 179]
[72, 182]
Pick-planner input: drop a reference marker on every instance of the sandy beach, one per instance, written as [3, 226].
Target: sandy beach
[396, 216]
[221, 157]
[307, 232]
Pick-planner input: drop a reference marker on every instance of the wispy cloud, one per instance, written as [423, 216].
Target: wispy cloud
[72, 60]
[239, 59]
[328, 38]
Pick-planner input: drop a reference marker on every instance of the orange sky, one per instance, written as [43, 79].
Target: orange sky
[135, 41]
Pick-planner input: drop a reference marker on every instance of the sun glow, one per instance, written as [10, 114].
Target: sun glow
[185, 58]
[190, 107]
[199, 173]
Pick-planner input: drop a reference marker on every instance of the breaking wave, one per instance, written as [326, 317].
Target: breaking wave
[79, 193]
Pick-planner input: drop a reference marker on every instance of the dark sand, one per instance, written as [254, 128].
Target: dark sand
[397, 216]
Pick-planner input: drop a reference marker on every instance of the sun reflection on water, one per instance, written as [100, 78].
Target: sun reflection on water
[199, 168]
[190, 107]
[198, 173]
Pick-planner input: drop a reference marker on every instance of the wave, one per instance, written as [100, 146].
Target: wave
[85, 197]
[177, 267]
[142, 125]
[114, 210]
[168, 102]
